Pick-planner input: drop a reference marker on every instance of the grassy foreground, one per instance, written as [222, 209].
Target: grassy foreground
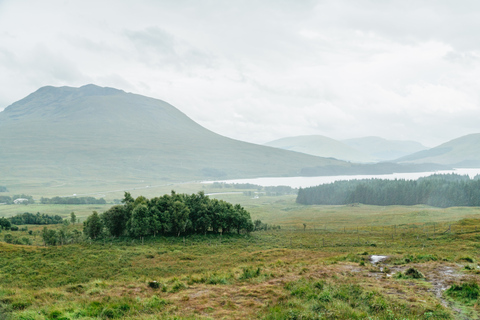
[320, 270]
[281, 274]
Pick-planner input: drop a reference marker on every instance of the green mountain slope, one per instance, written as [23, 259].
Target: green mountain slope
[93, 133]
[384, 150]
[323, 147]
[460, 152]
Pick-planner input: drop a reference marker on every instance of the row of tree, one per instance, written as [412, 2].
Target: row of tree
[30, 218]
[72, 200]
[437, 190]
[173, 214]
[269, 190]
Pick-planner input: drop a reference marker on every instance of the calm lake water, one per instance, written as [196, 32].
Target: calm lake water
[304, 182]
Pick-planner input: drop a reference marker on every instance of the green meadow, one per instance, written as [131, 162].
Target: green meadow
[316, 266]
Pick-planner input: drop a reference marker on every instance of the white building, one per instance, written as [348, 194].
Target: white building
[20, 201]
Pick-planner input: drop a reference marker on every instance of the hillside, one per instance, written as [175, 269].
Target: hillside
[323, 147]
[460, 152]
[104, 134]
[384, 150]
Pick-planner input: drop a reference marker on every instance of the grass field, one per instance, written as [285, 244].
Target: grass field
[322, 272]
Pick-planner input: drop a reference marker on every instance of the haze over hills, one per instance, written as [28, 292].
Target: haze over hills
[323, 147]
[358, 150]
[383, 149]
[95, 133]
[460, 152]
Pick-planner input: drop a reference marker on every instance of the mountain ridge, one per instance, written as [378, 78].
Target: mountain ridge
[463, 151]
[321, 146]
[60, 133]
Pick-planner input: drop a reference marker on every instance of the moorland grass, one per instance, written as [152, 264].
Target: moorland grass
[319, 273]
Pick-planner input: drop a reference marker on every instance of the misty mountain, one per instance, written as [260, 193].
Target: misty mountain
[99, 134]
[384, 150]
[460, 152]
[323, 147]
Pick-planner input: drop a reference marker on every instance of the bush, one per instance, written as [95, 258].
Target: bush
[411, 273]
[467, 259]
[177, 286]
[467, 293]
[8, 238]
[249, 273]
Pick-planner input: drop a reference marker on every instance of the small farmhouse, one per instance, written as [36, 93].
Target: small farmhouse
[20, 201]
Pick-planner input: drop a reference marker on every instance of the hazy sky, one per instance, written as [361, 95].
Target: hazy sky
[262, 70]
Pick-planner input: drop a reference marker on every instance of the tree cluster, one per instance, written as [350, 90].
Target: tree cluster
[174, 214]
[72, 200]
[9, 238]
[3, 189]
[437, 190]
[30, 218]
[62, 236]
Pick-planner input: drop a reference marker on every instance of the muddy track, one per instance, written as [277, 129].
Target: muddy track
[440, 275]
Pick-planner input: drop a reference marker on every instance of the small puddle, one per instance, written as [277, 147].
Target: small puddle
[374, 259]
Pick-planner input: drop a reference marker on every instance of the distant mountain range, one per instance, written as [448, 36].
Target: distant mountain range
[460, 152]
[97, 134]
[360, 150]
[106, 136]
[383, 149]
[323, 147]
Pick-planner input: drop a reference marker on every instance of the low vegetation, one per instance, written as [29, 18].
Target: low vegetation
[297, 272]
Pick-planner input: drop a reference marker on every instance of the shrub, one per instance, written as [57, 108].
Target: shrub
[467, 293]
[177, 286]
[411, 273]
[8, 238]
[467, 259]
[154, 284]
[249, 273]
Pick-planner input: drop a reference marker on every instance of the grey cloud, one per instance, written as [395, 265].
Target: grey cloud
[455, 23]
[155, 45]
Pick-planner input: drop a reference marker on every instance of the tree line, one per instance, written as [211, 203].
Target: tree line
[436, 190]
[72, 200]
[268, 190]
[171, 214]
[30, 218]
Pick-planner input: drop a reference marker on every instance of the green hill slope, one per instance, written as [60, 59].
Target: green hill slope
[93, 133]
[460, 152]
[321, 146]
[384, 150]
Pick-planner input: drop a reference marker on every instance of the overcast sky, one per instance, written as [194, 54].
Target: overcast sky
[262, 70]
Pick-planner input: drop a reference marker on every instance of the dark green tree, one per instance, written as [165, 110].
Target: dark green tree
[140, 221]
[93, 226]
[73, 218]
[115, 220]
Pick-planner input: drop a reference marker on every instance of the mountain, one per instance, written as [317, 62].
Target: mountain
[99, 134]
[384, 150]
[460, 152]
[321, 146]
